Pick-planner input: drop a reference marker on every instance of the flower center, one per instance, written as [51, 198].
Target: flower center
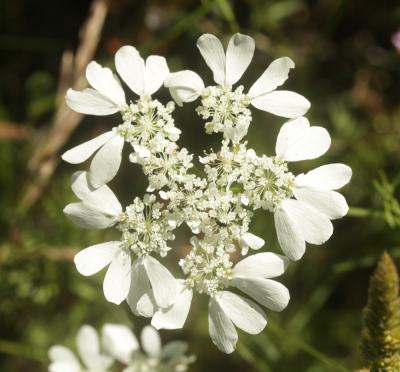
[167, 167]
[148, 121]
[223, 108]
[263, 181]
[269, 184]
[208, 267]
[145, 228]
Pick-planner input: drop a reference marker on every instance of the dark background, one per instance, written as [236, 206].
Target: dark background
[346, 65]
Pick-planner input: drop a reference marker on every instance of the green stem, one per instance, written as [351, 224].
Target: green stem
[227, 11]
[22, 351]
[365, 212]
[308, 348]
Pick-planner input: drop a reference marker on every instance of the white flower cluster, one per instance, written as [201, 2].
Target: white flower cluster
[217, 206]
[119, 344]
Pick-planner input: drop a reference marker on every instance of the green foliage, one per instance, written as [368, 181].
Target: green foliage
[390, 205]
[346, 66]
[381, 333]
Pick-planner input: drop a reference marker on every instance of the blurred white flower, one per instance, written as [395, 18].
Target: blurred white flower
[87, 341]
[120, 344]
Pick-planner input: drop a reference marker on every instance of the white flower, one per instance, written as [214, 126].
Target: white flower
[217, 206]
[107, 97]
[64, 360]
[119, 342]
[152, 287]
[142, 77]
[122, 344]
[100, 209]
[105, 163]
[307, 218]
[227, 108]
[252, 276]
[117, 281]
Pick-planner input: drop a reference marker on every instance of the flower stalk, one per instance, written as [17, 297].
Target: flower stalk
[380, 344]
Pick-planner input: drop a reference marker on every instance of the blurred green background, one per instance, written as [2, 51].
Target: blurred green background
[347, 65]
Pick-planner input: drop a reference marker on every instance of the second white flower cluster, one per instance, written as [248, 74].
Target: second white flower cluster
[217, 206]
[118, 345]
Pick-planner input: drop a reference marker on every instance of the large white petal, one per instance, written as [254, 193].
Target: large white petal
[103, 80]
[90, 102]
[85, 215]
[298, 141]
[119, 341]
[140, 297]
[102, 198]
[238, 57]
[118, 278]
[92, 259]
[263, 265]
[184, 86]
[156, 71]
[315, 142]
[274, 76]
[130, 66]
[151, 341]
[84, 151]
[282, 103]
[213, 53]
[88, 345]
[244, 313]
[106, 162]
[315, 226]
[174, 317]
[290, 132]
[326, 177]
[222, 331]
[290, 237]
[164, 285]
[267, 292]
[328, 202]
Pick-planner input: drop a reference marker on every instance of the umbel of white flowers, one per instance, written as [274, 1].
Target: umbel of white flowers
[217, 206]
[119, 345]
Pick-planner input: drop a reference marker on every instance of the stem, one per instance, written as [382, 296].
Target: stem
[22, 351]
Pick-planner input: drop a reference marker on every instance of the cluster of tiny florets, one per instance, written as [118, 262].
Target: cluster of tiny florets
[224, 109]
[259, 181]
[167, 167]
[148, 123]
[270, 183]
[212, 198]
[208, 267]
[146, 227]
